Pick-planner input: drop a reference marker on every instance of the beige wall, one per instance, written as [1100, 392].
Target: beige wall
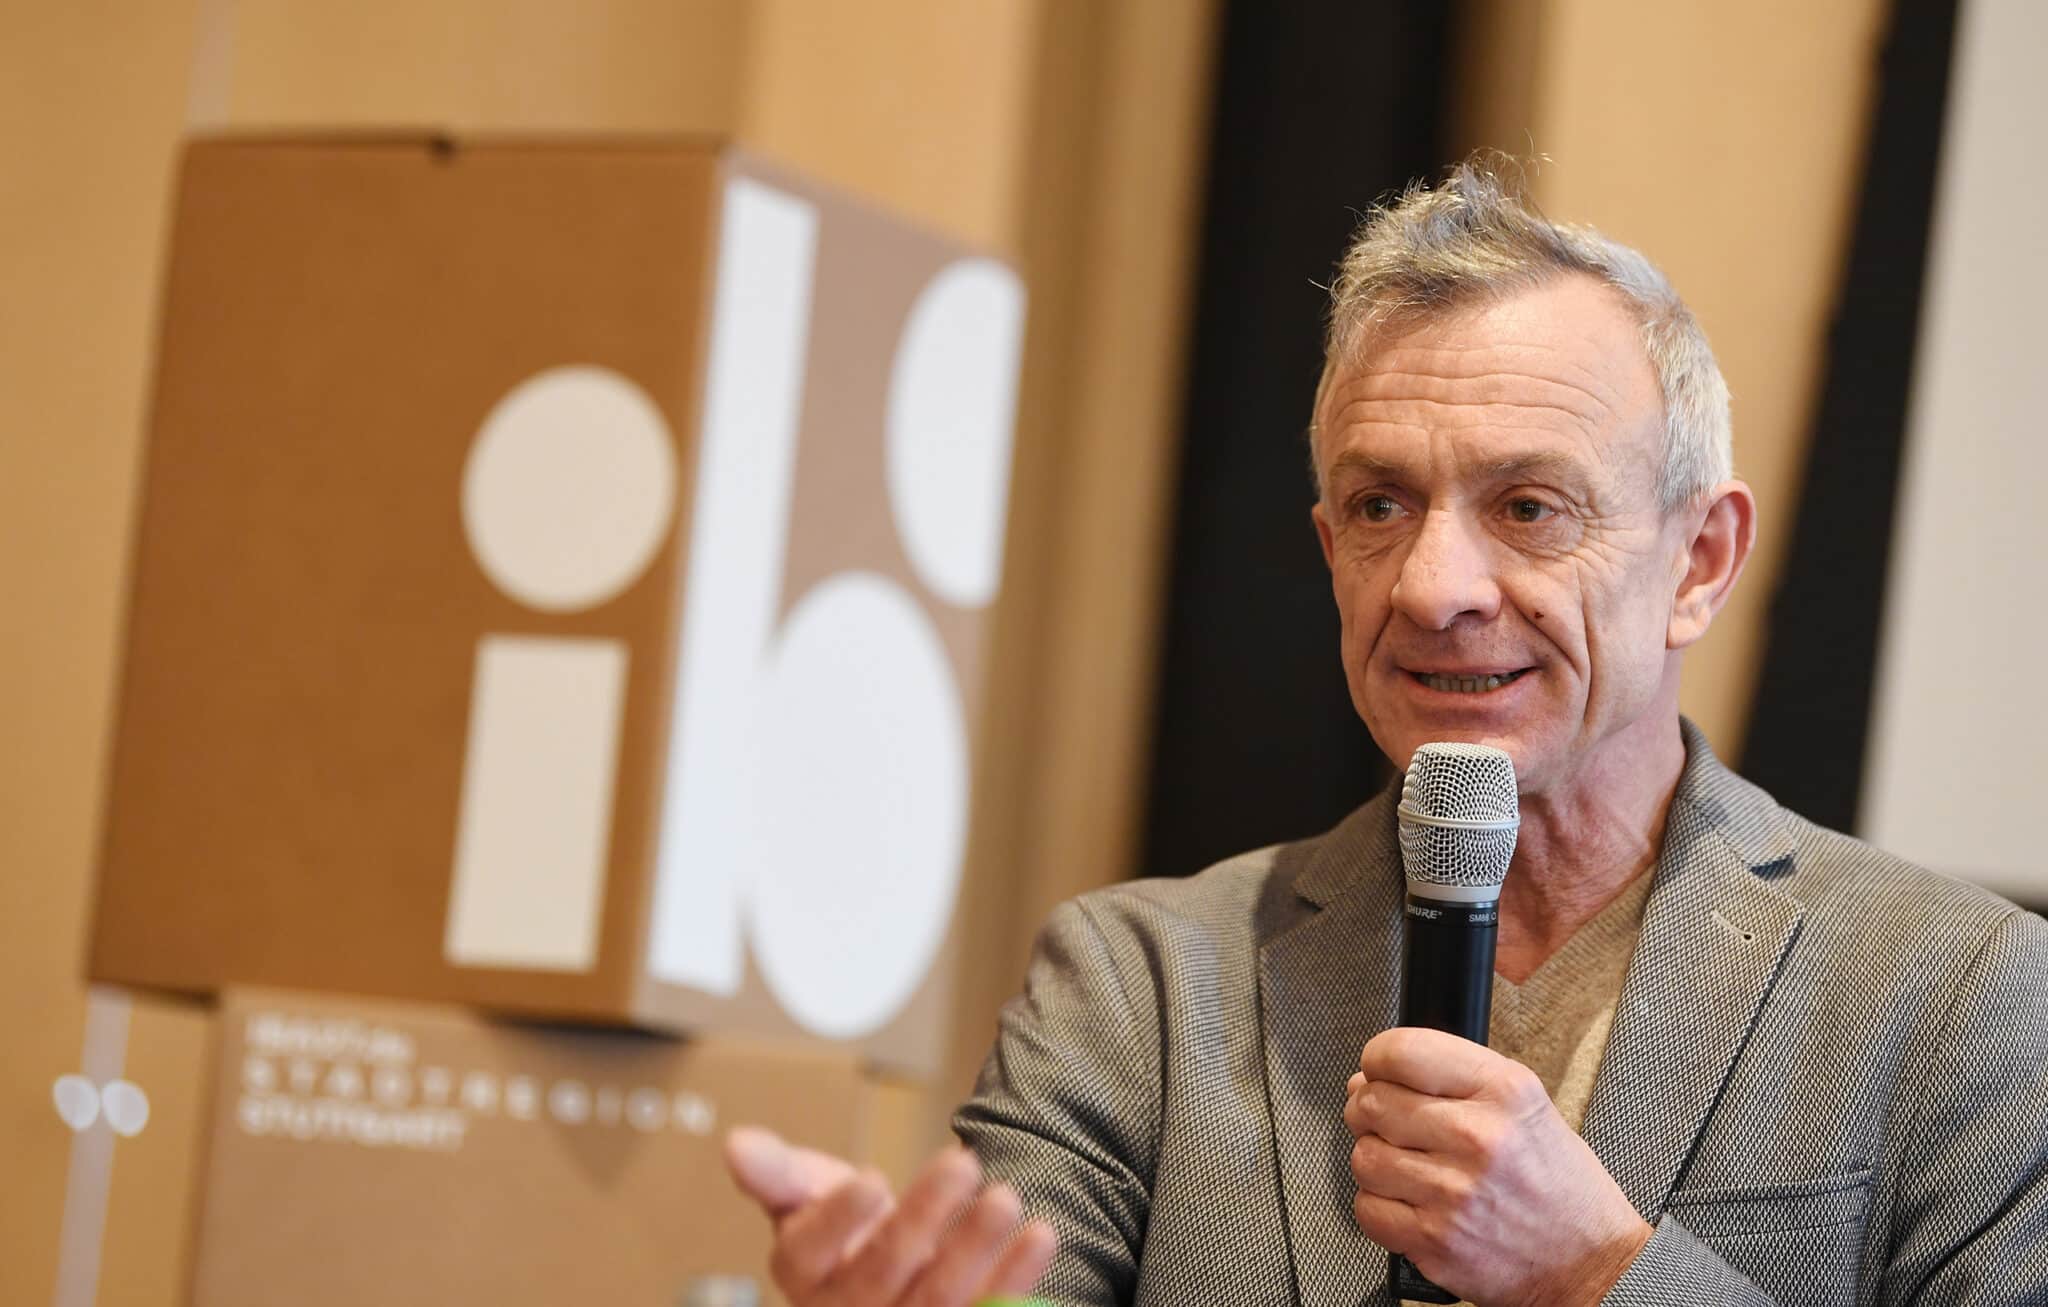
[1062, 132]
[929, 107]
[92, 97]
[471, 65]
[1723, 138]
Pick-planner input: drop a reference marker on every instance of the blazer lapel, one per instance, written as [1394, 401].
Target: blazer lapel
[1328, 983]
[1715, 933]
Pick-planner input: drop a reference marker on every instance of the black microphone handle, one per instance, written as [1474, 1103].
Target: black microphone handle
[1447, 965]
[1447, 984]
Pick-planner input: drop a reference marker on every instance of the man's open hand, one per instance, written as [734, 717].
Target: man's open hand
[842, 1240]
[1464, 1165]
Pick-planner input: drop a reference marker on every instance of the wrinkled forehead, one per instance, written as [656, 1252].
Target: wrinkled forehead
[1560, 368]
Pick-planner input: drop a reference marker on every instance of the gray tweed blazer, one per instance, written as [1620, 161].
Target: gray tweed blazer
[1827, 1081]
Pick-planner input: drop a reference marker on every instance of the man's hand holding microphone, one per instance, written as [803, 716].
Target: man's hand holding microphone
[1464, 1165]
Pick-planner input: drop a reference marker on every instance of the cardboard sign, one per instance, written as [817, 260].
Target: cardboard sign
[401, 1154]
[561, 587]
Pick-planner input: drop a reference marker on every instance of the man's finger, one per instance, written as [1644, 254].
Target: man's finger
[969, 1251]
[1381, 1169]
[903, 1244]
[816, 1239]
[778, 1175]
[1408, 1119]
[1388, 1222]
[1430, 1062]
[1018, 1270]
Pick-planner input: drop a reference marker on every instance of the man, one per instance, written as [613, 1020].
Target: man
[1738, 1058]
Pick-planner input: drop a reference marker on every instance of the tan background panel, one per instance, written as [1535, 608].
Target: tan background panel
[613, 65]
[924, 104]
[91, 101]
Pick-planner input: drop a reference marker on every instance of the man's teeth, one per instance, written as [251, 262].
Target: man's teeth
[1466, 684]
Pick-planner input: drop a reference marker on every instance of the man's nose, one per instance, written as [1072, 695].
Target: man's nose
[1446, 575]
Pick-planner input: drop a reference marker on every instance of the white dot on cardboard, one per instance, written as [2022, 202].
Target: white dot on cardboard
[951, 420]
[569, 489]
[77, 1099]
[859, 805]
[126, 1107]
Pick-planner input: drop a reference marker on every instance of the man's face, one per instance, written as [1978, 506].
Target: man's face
[1490, 517]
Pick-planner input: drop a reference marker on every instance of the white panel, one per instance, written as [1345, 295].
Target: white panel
[732, 581]
[1955, 766]
[534, 830]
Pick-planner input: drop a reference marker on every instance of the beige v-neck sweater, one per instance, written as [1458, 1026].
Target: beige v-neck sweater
[1556, 1021]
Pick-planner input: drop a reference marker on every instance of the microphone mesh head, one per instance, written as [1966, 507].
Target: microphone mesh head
[1473, 787]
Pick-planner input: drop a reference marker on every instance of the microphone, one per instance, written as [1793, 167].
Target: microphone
[1458, 817]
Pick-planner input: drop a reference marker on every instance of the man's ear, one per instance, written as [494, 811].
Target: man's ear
[1722, 536]
[1323, 534]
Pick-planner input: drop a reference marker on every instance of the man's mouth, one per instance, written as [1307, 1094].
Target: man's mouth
[1468, 684]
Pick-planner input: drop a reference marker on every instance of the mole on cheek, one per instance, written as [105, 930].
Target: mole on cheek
[1539, 617]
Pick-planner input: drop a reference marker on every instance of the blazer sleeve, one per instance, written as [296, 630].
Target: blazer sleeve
[1970, 1217]
[1675, 1267]
[1970, 1212]
[1067, 1109]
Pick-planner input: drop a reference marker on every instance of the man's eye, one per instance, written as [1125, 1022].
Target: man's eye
[1377, 508]
[1530, 510]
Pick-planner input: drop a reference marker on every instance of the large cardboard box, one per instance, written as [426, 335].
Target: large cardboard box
[560, 587]
[416, 1156]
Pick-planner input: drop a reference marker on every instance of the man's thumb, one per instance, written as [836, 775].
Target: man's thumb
[780, 1176]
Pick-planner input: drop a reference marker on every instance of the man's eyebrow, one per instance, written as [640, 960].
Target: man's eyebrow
[1547, 462]
[1368, 467]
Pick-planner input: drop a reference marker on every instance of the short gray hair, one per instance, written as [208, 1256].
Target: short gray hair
[1473, 236]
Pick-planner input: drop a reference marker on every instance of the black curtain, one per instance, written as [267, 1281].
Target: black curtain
[1810, 719]
[1322, 107]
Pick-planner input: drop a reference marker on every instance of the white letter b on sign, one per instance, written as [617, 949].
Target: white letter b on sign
[817, 795]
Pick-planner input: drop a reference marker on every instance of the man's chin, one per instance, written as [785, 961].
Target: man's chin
[1414, 735]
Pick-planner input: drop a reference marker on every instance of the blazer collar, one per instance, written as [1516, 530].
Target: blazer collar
[1357, 856]
[1715, 932]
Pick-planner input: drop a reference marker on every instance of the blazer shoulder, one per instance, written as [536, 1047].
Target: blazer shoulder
[1257, 896]
[1837, 874]
[1839, 881]
[1217, 897]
